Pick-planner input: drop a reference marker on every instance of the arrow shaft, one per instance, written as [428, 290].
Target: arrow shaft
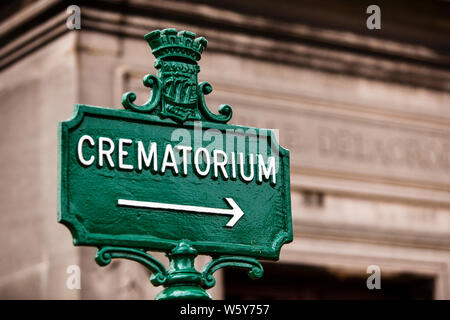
[177, 207]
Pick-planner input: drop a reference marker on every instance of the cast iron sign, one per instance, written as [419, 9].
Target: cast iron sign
[172, 176]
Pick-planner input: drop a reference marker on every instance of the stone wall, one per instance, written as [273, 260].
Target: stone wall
[365, 116]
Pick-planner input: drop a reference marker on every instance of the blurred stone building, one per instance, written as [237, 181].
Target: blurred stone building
[365, 113]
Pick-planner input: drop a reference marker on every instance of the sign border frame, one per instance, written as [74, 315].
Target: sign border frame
[82, 237]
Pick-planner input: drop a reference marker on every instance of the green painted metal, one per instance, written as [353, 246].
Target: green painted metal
[183, 281]
[172, 176]
[176, 92]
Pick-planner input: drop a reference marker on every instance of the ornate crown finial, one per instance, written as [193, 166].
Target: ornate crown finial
[176, 93]
[170, 43]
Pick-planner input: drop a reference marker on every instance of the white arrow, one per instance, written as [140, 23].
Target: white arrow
[236, 212]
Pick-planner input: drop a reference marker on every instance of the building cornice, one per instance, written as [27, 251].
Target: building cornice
[234, 33]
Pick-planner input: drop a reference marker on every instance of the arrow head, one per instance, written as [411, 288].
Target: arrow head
[236, 212]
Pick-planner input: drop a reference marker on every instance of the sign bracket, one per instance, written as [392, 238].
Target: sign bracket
[181, 280]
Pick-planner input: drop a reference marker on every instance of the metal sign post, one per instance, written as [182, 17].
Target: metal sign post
[172, 176]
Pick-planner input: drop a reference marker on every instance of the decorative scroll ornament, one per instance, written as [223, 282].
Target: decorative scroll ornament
[176, 93]
[181, 280]
[159, 273]
[256, 269]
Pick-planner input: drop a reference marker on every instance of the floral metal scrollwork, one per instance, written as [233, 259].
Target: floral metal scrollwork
[256, 269]
[181, 271]
[225, 110]
[176, 93]
[150, 81]
[159, 273]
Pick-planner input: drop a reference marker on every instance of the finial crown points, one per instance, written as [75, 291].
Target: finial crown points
[169, 44]
[176, 93]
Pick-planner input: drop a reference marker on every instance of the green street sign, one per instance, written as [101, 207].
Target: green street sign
[172, 176]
